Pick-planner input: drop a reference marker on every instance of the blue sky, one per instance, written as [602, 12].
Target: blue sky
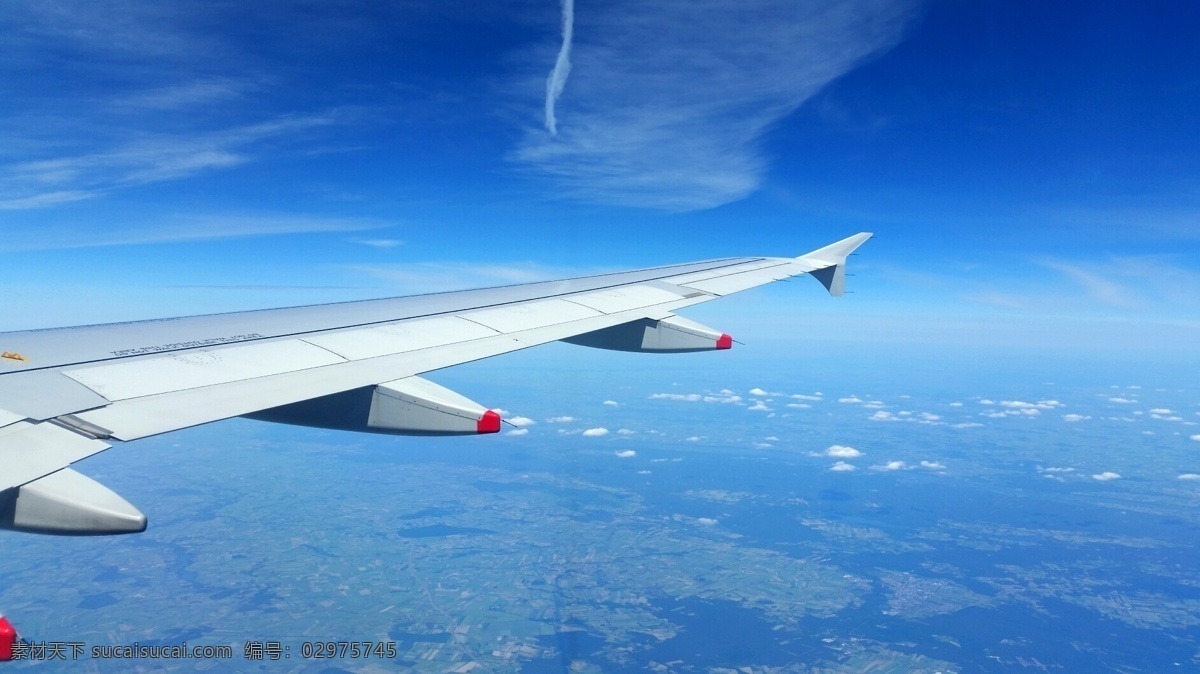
[1030, 168]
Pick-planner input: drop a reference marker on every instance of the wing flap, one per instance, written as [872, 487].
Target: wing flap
[394, 338]
[30, 450]
[744, 280]
[205, 367]
[528, 315]
[45, 394]
[8, 418]
[613, 300]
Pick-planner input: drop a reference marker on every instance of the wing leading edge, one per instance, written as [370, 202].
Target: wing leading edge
[71, 392]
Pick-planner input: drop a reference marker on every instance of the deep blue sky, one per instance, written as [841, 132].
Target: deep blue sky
[1031, 168]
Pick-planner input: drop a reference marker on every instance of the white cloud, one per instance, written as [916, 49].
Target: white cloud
[521, 422]
[1106, 476]
[560, 420]
[758, 392]
[956, 404]
[1053, 469]
[501, 412]
[694, 438]
[595, 432]
[842, 467]
[1195, 437]
[690, 397]
[771, 438]
[142, 157]
[922, 418]
[562, 66]
[842, 452]
[1073, 418]
[379, 243]
[1161, 410]
[1189, 476]
[723, 398]
[799, 406]
[625, 431]
[1100, 286]
[518, 431]
[177, 229]
[668, 102]
[851, 399]
[891, 465]
[643, 472]
[967, 424]
[626, 454]
[1121, 400]
[758, 405]
[611, 403]
[706, 521]
[933, 465]
[1022, 405]
[801, 396]
[173, 97]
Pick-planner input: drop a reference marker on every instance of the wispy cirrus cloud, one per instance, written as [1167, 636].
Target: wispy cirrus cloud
[178, 95]
[668, 101]
[152, 93]
[142, 160]
[379, 243]
[178, 229]
[1098, 286]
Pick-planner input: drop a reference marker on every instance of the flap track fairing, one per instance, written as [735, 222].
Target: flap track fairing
[408, 406]
[68, 503]
[669, 335]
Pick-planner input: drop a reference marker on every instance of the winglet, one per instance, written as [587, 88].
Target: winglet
[830, 262]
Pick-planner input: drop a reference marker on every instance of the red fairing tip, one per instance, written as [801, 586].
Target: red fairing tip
[725, 342]
[8, 636]
[488, 423]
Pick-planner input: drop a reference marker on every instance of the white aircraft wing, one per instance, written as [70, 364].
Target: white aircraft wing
[69, 393]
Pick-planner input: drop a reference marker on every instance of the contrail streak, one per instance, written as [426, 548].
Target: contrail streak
[562, 66]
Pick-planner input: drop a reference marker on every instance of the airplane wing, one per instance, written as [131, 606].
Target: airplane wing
[69, 393]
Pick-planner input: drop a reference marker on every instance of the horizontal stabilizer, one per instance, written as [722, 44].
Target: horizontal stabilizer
[829, 263]
[69, 504]
[673, 334]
